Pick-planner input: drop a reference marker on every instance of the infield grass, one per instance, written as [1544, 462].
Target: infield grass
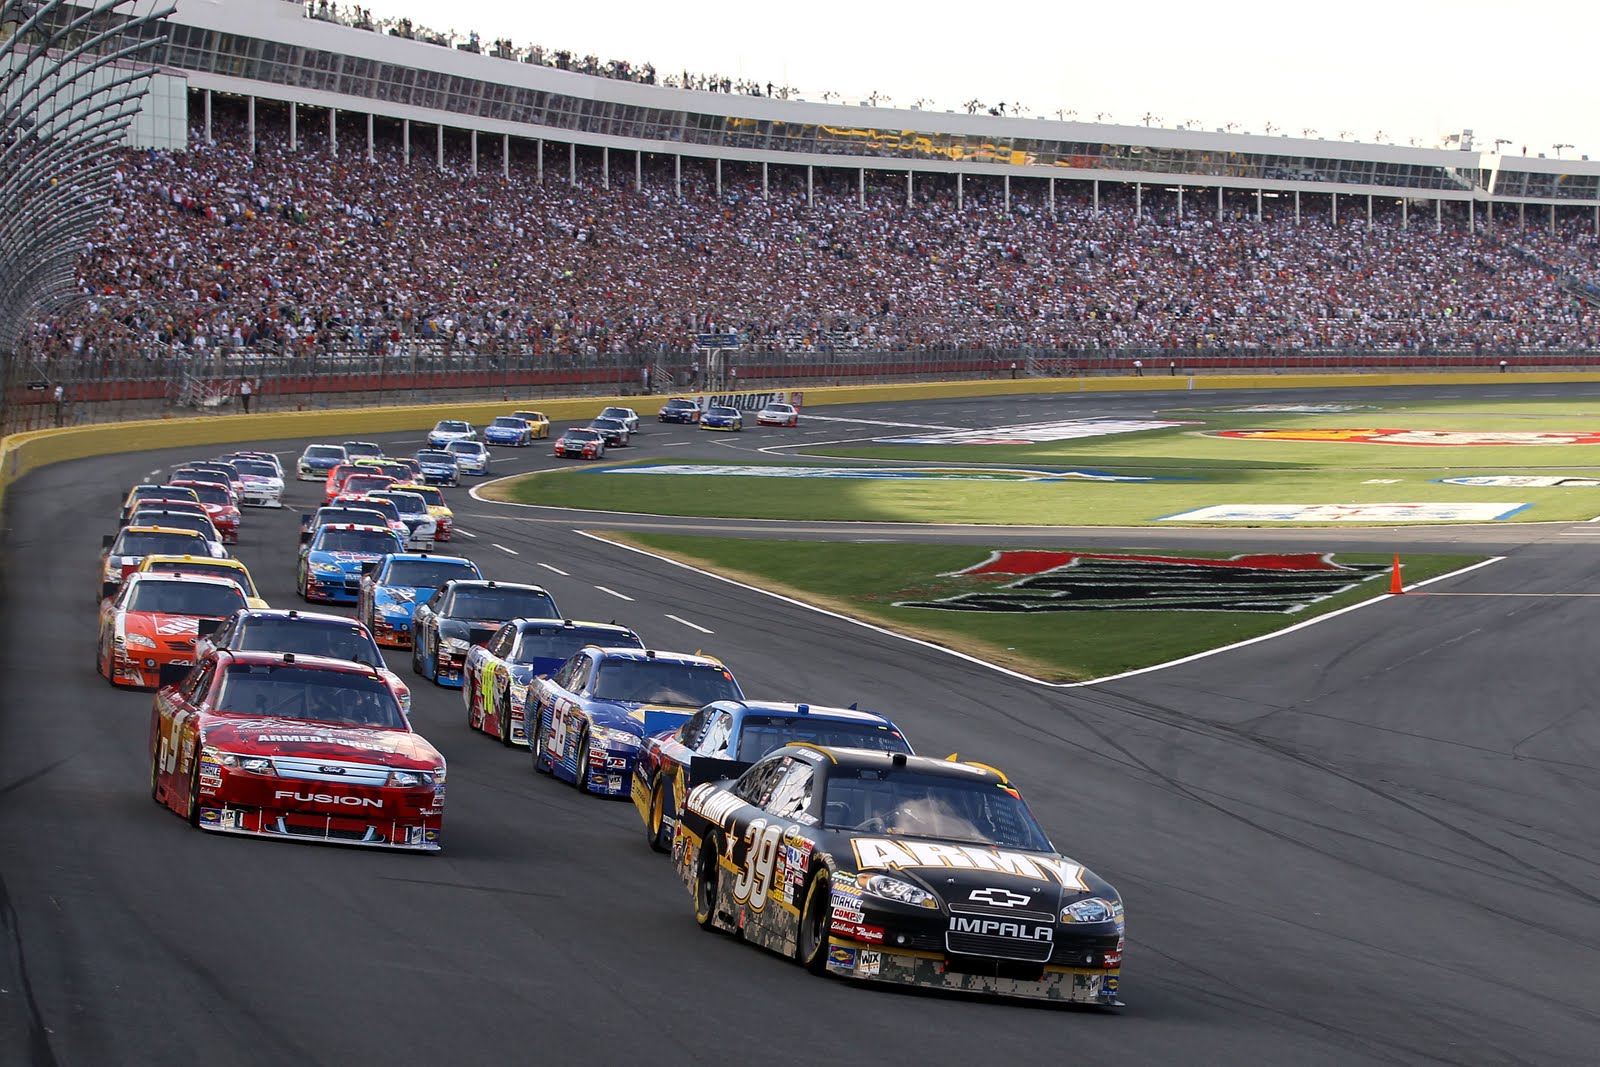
[1192, 470]
[864, 581]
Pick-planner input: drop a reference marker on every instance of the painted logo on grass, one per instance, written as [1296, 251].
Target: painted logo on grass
[1288, 409]
[1380, 513]
[951, 474]
[1524, 481]
[1035, 433]
[1448, 438]
[1094, 581]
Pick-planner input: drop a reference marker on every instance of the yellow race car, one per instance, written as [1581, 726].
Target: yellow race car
[536, 420]
[206, 565]
[432, 497]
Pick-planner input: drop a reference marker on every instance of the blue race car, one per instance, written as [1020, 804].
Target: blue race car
[508, 430]
[718, 417]
[392, 587]
[438, 467]
[499, 672]
[679, 409]
[461, 614]
[723, 739]
[332, 557]
[593, 714]
[317, 460]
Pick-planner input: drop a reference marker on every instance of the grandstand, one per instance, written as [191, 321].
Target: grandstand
[355, 197]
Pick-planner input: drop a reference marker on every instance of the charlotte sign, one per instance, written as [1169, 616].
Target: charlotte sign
[749, 401]
[1046, 581]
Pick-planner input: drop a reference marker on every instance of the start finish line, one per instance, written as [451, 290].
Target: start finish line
[952, 474]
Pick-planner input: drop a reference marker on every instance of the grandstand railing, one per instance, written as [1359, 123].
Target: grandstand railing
[157, 382]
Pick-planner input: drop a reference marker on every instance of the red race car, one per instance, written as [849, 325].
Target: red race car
[153, 620]
[294, 747]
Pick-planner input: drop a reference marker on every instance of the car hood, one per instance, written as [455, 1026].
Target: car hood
[999, 876]
[400, 597]
[349, 561]
[155, 624]
[271, 736]
[642, 719]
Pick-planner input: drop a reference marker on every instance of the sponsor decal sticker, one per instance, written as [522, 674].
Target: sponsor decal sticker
[881, 852]
[1108, 983]
[840, 956]
[855, 931]
[938, 474]
[1524, 481]
[1418, 437]
[211, 816]
[1050, 581]
[1380, 513]
[1036, 432]
[871, 962]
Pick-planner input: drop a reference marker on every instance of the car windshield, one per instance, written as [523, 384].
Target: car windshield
[727, 413]
[428, 493]
[366, 542]
[760, 734]
[780, 409]
[427, 573]
[616, 413]
[383, 507]
[561, 643]
[324, 452]
[218, 570]
[435, 455]
[309, 637]
[186, 598]
[530, 416]
[581, 435]
[465, 448]
[365, 483]
[177, 520]
[606, 424]
[212, 494]
[509, 423]
[896, 800]
[290, 691]
[361, 448]
[358, 516]
[130, 543]
[162, 492]
[227, 470]
[452, 427]
[502, 603]
[404, 503]
[680, 404]
[146, 513]
[654, 681]
[258, 468]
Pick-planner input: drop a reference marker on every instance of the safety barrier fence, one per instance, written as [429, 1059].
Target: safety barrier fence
[72, 391]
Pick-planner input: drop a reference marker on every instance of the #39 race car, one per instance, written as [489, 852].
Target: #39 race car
[679, 409]
[723, 739]
[903, 869]
[294, 747]
[392, 587]
[500, 671]
[592, 716]
[582, 442]
[153, 620]
[461, 614]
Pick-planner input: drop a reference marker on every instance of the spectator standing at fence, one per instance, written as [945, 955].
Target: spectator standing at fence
[1502, 366]
[644, 377]
[61, 404]
[1138, 368]
[1172, 369]
[246, 391]
[1013, 370]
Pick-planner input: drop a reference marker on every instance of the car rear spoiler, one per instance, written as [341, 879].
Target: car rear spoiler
[705, 769]
[173, 673]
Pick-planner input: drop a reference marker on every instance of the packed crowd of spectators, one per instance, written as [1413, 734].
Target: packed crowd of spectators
[215, 249]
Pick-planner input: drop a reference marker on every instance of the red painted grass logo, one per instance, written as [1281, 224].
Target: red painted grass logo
[1093, 581]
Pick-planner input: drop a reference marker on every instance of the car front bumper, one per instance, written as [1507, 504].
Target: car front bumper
[876, 963]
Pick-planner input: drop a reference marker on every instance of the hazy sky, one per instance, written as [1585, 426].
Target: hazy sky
[1409, 68]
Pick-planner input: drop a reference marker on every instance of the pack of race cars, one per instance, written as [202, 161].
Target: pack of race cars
[816, 832]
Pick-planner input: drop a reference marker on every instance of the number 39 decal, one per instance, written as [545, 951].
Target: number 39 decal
[755, 879]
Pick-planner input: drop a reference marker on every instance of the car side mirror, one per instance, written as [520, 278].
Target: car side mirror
[207, 627]
[106, 540]
[369, 567]
[108, 589]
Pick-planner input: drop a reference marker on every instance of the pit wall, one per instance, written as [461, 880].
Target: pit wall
[24, 452]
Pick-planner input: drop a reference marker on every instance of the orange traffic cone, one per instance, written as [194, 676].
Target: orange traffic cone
[1396, 585]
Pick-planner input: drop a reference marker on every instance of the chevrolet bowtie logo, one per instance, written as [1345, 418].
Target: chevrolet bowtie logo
[999, 898]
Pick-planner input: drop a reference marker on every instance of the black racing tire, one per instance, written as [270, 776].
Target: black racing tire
[467, 689]
[155, 774]
[416, 657]
[706, 873]
[653, 827]
[194, 791]
[811, 940]
[105, 666]
[433, 675]
[302, 586]
[580, 769]
[538, 743]
[503, 703]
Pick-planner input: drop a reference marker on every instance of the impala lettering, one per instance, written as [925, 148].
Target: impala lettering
[328, 798]
[1000, 928]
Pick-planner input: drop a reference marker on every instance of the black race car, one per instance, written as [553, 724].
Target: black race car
[679, 409]
[615, 431]
[899, 868]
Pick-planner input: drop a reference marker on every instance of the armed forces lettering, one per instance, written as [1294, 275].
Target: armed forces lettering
[1089, 581]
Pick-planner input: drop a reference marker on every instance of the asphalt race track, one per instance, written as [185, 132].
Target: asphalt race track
[1374, 840]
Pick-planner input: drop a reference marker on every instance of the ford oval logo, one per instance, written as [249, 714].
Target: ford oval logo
[331, 770]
